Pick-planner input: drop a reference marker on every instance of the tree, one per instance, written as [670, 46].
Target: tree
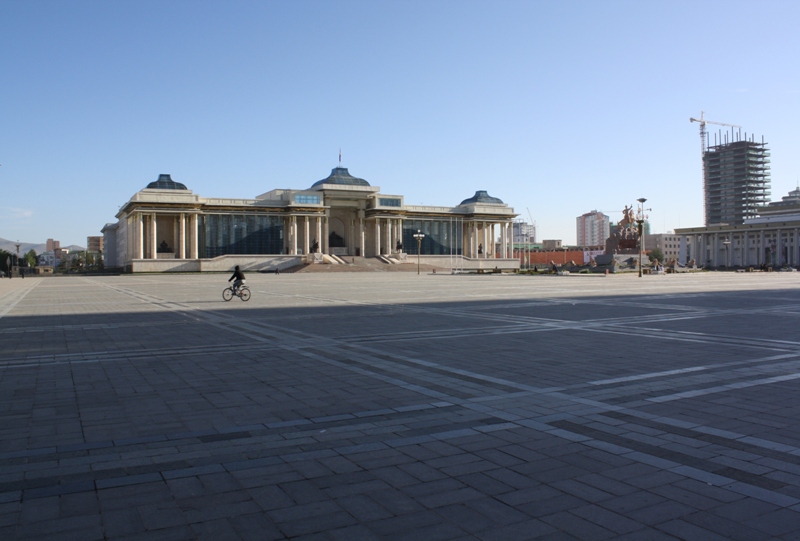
[4, 260]
[31, 258]
[656, 253]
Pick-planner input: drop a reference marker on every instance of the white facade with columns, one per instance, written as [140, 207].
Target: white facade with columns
[772, 239]
[166, 227]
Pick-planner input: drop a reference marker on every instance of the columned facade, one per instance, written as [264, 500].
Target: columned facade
[165, 226]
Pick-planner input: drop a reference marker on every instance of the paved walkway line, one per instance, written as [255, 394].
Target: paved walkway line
[21, 293]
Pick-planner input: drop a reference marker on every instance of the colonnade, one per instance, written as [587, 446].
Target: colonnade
[145, 243]
[303, 230]
[295, 244]
[779, 246]
[481, 237]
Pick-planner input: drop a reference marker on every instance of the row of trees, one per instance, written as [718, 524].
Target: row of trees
[8, 259]
[78, 261]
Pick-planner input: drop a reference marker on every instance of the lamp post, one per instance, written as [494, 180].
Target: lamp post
[419, 236]
[640, 221]
[17, 244]
[727, 245]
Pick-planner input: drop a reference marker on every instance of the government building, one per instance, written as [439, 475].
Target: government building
[166, 227]
[771, 239]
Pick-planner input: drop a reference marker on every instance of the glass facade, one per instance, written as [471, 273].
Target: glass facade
[222, 234]
[442, 237]
[306, 199]
[388, 202]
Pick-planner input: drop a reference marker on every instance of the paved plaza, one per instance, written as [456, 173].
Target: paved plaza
[392, 406]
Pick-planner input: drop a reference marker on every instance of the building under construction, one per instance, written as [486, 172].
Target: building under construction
[737, 179]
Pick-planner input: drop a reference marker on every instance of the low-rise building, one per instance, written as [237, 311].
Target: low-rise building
[771, 239]
[668, 243]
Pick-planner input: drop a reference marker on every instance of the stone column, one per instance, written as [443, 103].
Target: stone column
[182, 236]
[319, 233]
[362, 241]
[193, 252]
[761, 248]
[306, 236]
[153, 237]
[377, 236]
[779, 248]
[504, 241]
[139, 236]
[389, 245]
[351, 237]
[400, 232]
[326, 236]
[796, 250]
[293, 235]
[701, 251]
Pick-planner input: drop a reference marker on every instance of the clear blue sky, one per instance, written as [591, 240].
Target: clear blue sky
[556, 107]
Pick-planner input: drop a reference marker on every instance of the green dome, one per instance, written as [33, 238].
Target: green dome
[340, 175]
[165, 182]
[482, 196]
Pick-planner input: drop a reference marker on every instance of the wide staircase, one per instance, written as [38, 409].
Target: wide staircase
[363, 264]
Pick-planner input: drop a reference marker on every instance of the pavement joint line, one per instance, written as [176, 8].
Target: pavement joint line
[181, 436]
[666, 373]
[722, 388]
[18, 295]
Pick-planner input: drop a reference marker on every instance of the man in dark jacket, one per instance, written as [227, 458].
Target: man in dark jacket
[238, 278]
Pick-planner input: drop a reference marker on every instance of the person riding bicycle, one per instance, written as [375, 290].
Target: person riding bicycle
[238, 278]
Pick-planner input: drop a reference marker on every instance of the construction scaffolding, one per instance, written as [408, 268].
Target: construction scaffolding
[736, 178]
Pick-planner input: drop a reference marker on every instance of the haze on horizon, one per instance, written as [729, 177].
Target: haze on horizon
[557, 108]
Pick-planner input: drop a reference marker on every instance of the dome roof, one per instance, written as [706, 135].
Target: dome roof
[340, 175]
[165, 182]
[481, 196]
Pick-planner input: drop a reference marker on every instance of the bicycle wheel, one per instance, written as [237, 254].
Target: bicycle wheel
[245, 294]
[227, 293]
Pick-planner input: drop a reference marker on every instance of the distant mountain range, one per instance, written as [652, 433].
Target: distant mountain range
[25, 247]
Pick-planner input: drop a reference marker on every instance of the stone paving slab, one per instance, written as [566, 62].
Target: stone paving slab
[397, 406]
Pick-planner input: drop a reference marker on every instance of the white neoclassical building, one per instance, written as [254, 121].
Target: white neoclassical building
[167, 228]
[772, 239]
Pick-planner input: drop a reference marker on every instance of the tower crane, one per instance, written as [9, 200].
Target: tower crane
[702, 120]
[703, 123]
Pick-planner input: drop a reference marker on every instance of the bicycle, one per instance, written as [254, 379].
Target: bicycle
[243, 293]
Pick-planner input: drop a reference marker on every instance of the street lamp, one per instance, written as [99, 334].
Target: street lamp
[419, 236]
[640, 221]
[727, 245]
[17, 244]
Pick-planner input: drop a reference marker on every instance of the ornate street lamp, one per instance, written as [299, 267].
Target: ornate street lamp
[727, 245]
[640, 221]
[419, 236]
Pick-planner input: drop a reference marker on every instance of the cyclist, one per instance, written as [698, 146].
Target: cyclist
[238, 278]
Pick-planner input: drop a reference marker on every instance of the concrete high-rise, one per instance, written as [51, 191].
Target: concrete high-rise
[524, 232]
[593, 228]
[736, 182]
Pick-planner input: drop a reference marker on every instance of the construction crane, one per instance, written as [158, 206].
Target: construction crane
[702, 120]
[703, 123]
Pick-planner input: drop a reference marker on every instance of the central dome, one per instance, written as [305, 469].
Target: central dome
[340, 175]
[482, 196]
[165, 182]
